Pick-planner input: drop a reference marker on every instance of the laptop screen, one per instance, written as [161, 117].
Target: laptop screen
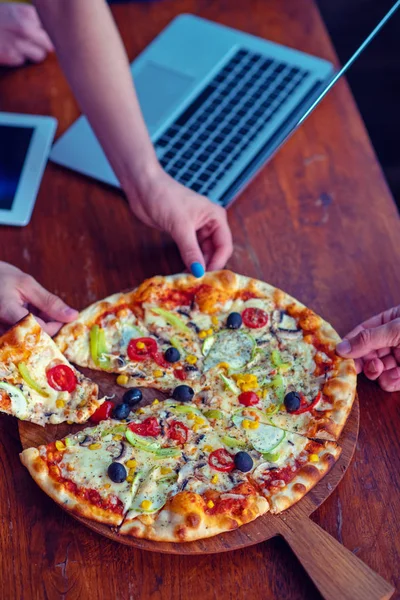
[14, 145]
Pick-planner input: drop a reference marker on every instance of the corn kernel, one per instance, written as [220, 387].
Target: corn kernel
[254, 425]
[140, 345]
[199, 420]
[165, 470]
[122, 379]
[70, 468]
[70, 422]
[208, 448]
[117, 437]
[107, 486]
[191, 359]
[195, 428]
[129, 479]
[246, 424]
[146, 504]
[191, 416]
[60, 446]
[140, 411]
[214, 479]
[131, 472]
[210, 331]
[223, 365]
[94, 446]
[214, 320]
[210, 504]
[158, 373]
[131, 464]
[156, 401]
[314, 457]
[202, 335]
[60, 403]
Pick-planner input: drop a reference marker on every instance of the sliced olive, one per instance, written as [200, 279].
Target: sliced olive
[234, 321]
[116, 472]
[243, 461]
[183, 393]
[292, 401]
[121, 411]
[132, 396]
[172, 355]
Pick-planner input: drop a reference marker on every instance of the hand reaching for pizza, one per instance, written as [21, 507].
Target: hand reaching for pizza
[22, 36]
[198, 226]
[21, 293]
[375, 346]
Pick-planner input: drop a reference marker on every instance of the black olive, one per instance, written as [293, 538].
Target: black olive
[243, 462]
[292, 401]
[234, 321]
[121, 411]
[172, 355]
[132, 396]
[116, 472]
[183, 393]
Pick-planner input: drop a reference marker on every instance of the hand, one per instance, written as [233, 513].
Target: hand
[20, 293]
[375, 346]
[198, 226]
[22, 36]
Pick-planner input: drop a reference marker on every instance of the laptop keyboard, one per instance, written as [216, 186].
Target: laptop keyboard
[209, 137]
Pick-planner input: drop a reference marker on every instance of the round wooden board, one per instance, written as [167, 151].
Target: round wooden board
[261, 529]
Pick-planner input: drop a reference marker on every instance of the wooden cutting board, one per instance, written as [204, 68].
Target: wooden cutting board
[337, 573]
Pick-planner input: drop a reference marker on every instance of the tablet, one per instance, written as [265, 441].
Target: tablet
[25, 142]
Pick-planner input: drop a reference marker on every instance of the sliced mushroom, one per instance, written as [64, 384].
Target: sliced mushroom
[123, 450]
[87, 440]
[285, 326]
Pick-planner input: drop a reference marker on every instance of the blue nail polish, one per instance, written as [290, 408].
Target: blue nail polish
[197, 269]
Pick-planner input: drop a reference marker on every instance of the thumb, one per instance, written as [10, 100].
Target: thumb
[186, 240]
[367, 340]
[46, 302]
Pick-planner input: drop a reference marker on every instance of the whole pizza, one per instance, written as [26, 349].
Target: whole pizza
[257, 399]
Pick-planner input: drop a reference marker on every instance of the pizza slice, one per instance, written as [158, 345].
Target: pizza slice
[283, 466]
[37, 383]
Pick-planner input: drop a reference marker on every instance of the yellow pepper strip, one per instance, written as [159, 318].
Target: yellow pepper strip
[122, 379]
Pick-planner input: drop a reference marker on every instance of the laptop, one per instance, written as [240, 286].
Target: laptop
[217, 102]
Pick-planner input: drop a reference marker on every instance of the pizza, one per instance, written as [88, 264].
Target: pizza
[37, 383]
[257, 400]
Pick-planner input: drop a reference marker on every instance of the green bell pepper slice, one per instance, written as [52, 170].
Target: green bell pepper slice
[153, 447]
[24, 372]
[172, 319]
[98, 347]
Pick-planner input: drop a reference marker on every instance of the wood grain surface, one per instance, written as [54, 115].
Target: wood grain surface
[318, 221]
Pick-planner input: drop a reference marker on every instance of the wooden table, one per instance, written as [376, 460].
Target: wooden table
[318, 221]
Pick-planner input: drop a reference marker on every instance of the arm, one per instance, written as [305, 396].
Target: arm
[101, 80]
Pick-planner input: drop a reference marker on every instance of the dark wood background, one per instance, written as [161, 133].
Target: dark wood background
[318, 221]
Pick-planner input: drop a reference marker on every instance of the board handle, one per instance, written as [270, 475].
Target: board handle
[336, 572]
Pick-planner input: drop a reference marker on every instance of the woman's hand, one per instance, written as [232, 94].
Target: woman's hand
[198, 226]
[21, 293]
[375, 346]
[22, 36]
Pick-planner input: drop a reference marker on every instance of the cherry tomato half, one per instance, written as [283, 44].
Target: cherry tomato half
[103, 412]
[178, 431]
[140, 349]
[248, 398]
[221, 460]
[62, 378]
[149, 427]
[254, 317]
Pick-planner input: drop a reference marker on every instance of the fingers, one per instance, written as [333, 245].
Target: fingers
[186, 240]
[367, 340]
[46, 302]
[390, 380]
[222, 242]
[373, 369]
[12, 311]
[30, 50]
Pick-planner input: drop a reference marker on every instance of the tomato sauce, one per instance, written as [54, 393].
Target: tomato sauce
[112, 311]
[245, 295]
[286, 474]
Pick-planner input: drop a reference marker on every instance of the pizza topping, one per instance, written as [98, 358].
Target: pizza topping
[305, 406]
[221, 460]
[62, 378]
[172, 319]
[213, 414]
[285, 326]
[150, 427]
[98, 348]
[183, 393]
[26, 376]
[172, 355]
[232, 442]
[19, 403]
[233, 347]
[254, 318]
[264, 438]
[132, 396]
[103, 412]
[150, 445]
[180, 374]
[121, 411]
[248, 398]
[117, 472]
[243, 461]
[234, 321]
[140, 349]
[178, 431]
[292, 401]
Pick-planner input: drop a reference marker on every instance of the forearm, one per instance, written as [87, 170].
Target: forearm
[93, 58]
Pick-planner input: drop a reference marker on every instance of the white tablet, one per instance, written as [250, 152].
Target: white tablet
[25, 142]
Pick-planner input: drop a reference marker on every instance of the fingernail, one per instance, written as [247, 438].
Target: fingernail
[197, 269]
[394, 374]
[372, 367]
[344, 347]
[69, 312]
